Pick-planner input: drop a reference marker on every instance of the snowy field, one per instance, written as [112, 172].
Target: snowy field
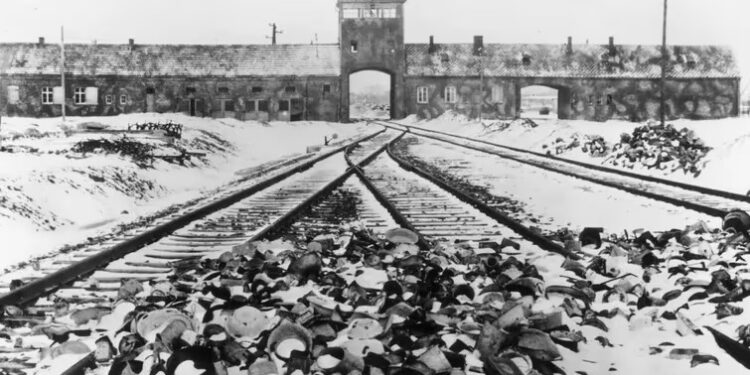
[721, 168]
[51, 196]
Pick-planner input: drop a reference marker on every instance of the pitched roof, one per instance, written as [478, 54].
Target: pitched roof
[173, 60]
[586, 61]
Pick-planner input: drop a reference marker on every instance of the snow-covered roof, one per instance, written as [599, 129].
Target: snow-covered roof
[586, 61]
[173, 60]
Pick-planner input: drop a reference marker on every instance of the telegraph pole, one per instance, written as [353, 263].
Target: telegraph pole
[663, 64]
[62, 70]
[274, 32]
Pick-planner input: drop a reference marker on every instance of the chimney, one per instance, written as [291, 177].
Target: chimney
[478, 45]
[612, 50]
[432, 48]
[41, 42]
[569, 50]
[131, 44]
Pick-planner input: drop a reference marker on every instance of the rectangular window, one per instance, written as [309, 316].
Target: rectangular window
[262, 105]
[190, 90]
[108, 99]
[450, 94]
[284, 105]
[290, 89]
[388, 13]
[229, 105]
[422, 95]
[47, 95]
[58, 97]
[355, 46]
[13, 95]
[326, 88]
[79, 95]
[250, 106]
[150, 90]
[224, 90]
[497, 94]
[123, 99]
[351, 13]
[92, 95]
[256, 89]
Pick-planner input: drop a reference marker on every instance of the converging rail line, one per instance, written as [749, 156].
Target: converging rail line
[700, 199]
[261, 211]
[389, 191]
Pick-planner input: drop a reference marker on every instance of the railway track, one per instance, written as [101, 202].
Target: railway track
[94, 275]
[704, 200]
[367, 183]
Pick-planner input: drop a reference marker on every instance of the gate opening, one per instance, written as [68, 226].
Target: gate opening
[370, 95]
[539, 102]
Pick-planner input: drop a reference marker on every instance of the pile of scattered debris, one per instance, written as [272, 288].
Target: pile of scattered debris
[352, 302]
[499, 126]
[593, 145]
[660, 147]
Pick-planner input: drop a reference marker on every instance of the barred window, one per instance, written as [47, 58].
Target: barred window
[47, 95]
[79, 95]
[450, 94]
[423, 95]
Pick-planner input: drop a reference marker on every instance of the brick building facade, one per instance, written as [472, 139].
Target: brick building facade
[311, 82]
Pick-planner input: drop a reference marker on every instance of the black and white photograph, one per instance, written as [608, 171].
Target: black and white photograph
[374, 187]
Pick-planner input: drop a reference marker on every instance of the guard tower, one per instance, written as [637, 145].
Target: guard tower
[371, 37]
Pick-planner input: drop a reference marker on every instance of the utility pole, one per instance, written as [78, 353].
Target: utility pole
[62, 70]
[663, 65]
[274, 32]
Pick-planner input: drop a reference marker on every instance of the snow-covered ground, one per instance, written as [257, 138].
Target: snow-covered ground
[51, 196]
[551, 200]
[723, 169]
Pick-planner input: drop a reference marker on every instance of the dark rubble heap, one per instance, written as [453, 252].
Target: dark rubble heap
[354, 303]
[660, 147]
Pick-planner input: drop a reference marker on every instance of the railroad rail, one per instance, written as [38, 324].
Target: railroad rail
[700, 199]
[433, 209]
[251, 214]
[388, 189]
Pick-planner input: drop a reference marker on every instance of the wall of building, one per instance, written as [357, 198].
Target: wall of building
[171, 94]
[583, 99]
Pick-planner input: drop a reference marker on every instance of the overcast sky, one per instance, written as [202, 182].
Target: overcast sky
[506, 21]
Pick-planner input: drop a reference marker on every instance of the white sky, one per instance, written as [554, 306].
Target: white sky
[506, 21]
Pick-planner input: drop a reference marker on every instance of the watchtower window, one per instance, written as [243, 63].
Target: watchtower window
[388, 13]
[355, 46]
[351, 13]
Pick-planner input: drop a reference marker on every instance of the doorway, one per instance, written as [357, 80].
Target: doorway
[370, 95]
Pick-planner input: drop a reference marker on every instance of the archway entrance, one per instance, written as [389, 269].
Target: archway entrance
[539, 102]
[370, 95]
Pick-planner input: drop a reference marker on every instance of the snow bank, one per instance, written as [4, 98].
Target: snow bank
[728, 138]
[50, 195]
